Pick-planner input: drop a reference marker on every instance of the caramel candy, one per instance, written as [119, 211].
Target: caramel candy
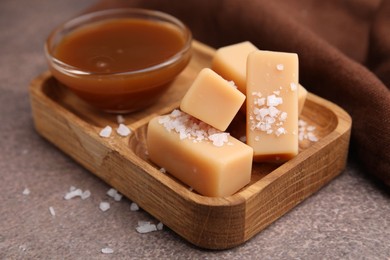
[272, 105]
[212, 99]
[302, 94]
[212, 162]
[230, 63]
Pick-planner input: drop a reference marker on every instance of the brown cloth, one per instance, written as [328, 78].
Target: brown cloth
[343, 48]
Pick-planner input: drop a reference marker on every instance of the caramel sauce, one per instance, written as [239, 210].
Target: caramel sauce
[120, 46]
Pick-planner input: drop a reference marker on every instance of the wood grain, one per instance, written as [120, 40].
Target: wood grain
[213, 223]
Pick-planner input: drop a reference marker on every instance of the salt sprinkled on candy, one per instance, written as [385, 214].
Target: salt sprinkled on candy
[104, 206]
[191, 128]
[219, 139]
[107, 250]
[232, 84]
[163, 170]
[123, 130]
[283, 116]
[267, 117]
[280, 131]
[280, 67]
[274, 101]
[293, 86]
[106, 131]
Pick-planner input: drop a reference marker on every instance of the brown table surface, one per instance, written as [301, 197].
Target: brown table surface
[348, 219]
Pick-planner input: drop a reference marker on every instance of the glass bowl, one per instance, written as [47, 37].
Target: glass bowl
[119, 60]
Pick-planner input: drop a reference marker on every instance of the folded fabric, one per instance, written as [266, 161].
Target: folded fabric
[343, 48]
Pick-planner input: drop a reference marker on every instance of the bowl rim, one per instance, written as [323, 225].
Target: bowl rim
[151, 14]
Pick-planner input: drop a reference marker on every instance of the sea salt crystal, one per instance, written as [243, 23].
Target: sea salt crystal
[120, 119]
[283, 116]
[160, 226]
[259, 101]
[118, 197]
[134, 206]
[85, 195]
[274, 101]
[106, 131]
[306, 132]
[219, 139]
[280, 131]
[104, 206]
[293, 86]
[73, 193]
[280, 67]
[123, 130]
[26, 191]
[52, 212]
[273, 111]
[145, 227]
[107, 250]
[312, 137]
[112, 192]
[232, 84]
[163, 170]
[188, 127]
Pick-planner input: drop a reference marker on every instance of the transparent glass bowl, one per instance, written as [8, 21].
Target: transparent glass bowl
[125, 91]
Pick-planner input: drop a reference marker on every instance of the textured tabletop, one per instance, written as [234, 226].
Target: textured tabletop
[347, 219]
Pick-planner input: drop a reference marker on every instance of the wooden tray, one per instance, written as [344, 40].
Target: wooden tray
[214, 223]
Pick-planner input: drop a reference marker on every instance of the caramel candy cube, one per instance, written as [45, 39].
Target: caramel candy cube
[272, 105]
[212, 99]
[211, 162]
[302, 94]
[230, 63]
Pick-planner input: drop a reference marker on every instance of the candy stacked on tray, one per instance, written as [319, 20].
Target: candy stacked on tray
[193, 143]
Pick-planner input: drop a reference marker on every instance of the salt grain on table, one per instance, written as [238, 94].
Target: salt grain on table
[52, 212]
[118, 197]
[73, 193]
[145, 227]
[86, 194]
[134, 206]
[112, 192]
[26, 191]
[104, 206]
[107, 250]
[160, 226]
